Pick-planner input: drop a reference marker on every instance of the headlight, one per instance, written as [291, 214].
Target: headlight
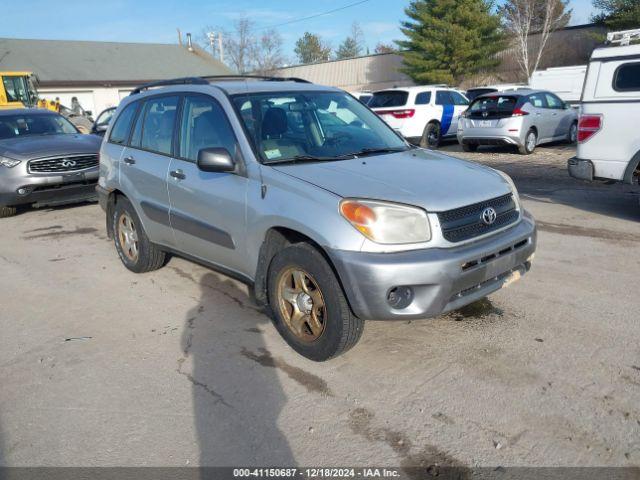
[514, 190]
[388, 223]
[9, 163]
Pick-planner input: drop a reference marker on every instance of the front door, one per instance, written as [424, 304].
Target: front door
[207, 208]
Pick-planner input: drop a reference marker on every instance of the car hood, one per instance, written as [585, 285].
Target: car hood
[36, 146]
[431, 180]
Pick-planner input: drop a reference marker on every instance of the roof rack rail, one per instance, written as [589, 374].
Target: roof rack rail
[265, 78]
[624, 37]
[173, 81]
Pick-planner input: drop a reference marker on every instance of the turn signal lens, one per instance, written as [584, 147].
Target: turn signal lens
[388, 223]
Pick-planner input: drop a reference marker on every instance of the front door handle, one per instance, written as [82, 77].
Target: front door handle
[129, 160]
[179, 174]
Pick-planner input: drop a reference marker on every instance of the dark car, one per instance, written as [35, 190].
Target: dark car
[44, 160]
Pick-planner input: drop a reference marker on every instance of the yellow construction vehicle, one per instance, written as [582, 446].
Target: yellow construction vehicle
[18, 90]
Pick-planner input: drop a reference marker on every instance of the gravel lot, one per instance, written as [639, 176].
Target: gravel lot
[101, 367]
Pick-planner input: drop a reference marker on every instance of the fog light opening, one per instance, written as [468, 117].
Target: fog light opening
[400, 297]
[24, 191]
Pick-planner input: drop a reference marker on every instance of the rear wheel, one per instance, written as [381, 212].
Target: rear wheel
[135, 249]
[7, 212]
[309, 308]
[469, 147]
[530, 141]
[432, 136]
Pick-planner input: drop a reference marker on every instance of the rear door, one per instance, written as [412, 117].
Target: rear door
[542, 118]
[207, 208]
[145, 165]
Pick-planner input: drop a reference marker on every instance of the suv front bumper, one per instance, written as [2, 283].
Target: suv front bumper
[441, 279]
[49, 189]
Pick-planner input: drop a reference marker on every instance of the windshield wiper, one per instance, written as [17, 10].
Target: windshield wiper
[375, 151]
[310, 158]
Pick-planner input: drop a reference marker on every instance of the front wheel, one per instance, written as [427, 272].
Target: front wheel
[530, 141]
[7, 212]
[572, 136]
[432, 136]
[309, 308]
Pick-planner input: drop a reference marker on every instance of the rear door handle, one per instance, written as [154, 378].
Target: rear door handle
[179, 174]
[129, 160]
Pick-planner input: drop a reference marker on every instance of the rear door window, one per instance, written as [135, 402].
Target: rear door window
[156, 133]
[423, 98]
[443, 97]
[627, 78]
[537, 100]
[122, 127]
[391, 98]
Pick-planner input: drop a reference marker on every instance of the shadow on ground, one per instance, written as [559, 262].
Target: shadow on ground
[237, 397]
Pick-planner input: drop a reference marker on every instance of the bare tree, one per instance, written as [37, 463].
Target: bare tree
[238, 44]
[524, 18]
[267, 54]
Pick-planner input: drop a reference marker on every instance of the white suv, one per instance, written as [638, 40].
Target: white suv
[608, 133]
[423, 115]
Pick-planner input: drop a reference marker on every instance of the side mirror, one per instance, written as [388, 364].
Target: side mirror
[88, 113]
[101, 127]
[215, 160]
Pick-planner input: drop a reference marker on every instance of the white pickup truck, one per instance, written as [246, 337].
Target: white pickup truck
[609, 124]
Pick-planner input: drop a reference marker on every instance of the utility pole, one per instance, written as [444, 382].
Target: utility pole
[212, 42]
[220, 48]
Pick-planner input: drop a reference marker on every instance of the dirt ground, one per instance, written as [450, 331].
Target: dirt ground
[101, 367]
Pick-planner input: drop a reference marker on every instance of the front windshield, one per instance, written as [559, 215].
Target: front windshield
[313, 126]
[21, 125]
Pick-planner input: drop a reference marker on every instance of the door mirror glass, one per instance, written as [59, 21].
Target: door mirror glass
[215, 160]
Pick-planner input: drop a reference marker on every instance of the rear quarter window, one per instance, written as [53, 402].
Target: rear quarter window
[122, 127]
[423, 98]
[393, 98]
[627, 78]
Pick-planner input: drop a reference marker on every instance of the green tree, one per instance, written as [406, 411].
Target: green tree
[617, 14]
[310, 49]
[352, 45]
[447, 40]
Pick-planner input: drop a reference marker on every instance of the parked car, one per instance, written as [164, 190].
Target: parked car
[475, 92]
[102, 122]
[330, 222]
[608, 138]
[522, 118]
[424, 115]
[44, 160]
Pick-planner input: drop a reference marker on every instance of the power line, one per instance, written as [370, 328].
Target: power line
[301, 19]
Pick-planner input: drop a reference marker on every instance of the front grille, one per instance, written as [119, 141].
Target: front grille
[71, 163]
[466, 223]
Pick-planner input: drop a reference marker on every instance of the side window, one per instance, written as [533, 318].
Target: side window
[443, 98]
[458, 99]
[122, 127]
[537, 100]
[423, 98]
[553, 101]
[627, 78]
[157, 125]
[204, 125]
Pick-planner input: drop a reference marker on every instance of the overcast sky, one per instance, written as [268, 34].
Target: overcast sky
[157, 20]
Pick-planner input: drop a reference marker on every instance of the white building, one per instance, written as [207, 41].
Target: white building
[100, 74]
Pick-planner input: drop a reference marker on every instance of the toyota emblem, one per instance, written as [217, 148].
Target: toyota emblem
[68, 163]
[489, 216]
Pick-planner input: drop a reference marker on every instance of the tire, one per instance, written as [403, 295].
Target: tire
[572, 136]
[432, 136]
[469, 147]
[7, 212]
[336, 328]
[530, 141]
[146, 256]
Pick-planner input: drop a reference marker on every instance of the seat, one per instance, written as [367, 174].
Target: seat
[275, 144]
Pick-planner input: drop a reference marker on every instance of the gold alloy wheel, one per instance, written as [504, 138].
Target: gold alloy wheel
[128, 237]
[301, 304]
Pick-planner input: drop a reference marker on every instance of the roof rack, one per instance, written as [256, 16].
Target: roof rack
[173, 81]
[265, 78]
[624, 37]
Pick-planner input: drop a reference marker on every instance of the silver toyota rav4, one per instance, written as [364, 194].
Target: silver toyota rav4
[310, 198]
